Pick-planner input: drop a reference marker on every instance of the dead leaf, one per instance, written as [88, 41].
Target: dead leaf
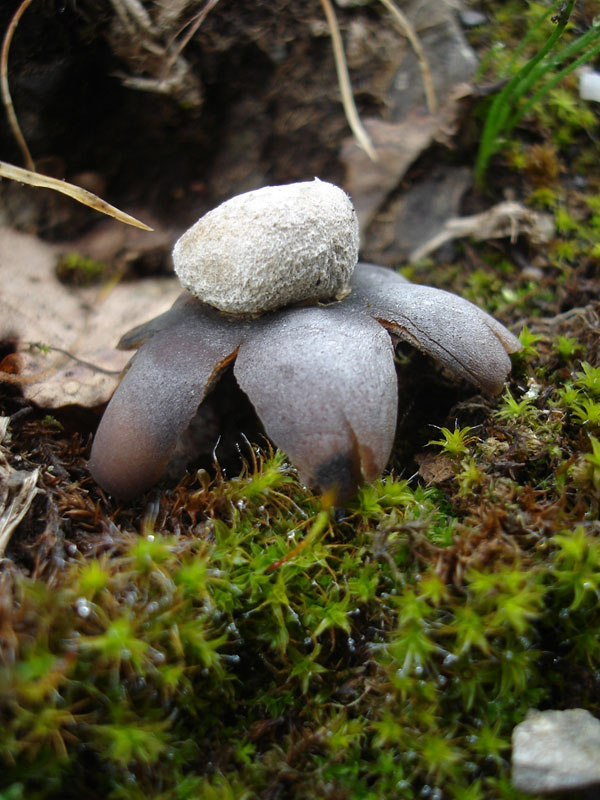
[66, 336]
[408, 129]
[435, 468]
[397, 144]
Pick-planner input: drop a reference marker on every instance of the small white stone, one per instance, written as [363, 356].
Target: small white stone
[589, 84]
[270, 248]
[556, 751]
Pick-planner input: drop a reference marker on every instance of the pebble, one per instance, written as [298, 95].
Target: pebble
[556, 751]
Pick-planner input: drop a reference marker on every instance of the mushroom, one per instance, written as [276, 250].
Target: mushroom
[320, 375]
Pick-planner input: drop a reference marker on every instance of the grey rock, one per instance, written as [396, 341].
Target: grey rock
[451, 59]
[418, 215]
[556, 751]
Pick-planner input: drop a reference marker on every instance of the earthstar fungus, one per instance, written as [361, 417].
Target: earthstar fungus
[321, 375]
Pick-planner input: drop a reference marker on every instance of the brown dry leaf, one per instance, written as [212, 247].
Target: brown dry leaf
[397, 144]
[77, 329]
[435, 468]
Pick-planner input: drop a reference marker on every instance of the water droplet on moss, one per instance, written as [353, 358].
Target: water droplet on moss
[82, 607]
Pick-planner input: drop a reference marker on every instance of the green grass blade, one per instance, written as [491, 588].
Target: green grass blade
[500, 110]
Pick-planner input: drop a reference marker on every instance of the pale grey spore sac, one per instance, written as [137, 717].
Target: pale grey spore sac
[270, 248]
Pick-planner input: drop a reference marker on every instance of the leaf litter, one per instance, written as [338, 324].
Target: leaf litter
[65, 337]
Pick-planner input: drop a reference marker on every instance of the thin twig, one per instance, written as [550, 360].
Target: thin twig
[352, 116]
[51, 369]
[6, 98]
[82, 361]
[416, 45]
[76, 192]
[197, 22]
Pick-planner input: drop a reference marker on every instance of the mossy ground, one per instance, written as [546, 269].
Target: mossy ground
[235, 638]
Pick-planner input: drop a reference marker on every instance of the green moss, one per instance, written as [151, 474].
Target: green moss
[538, 68]
[239, 637]
[456, 442]
[78, 270]
[327, 657]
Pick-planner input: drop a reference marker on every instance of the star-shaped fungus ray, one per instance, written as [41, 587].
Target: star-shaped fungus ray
[468, 342]
[183, 352]
[323, 382]
[321, 377]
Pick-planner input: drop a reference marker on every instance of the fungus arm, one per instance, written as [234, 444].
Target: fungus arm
[158, 397]
[466, 340]
[323, 383]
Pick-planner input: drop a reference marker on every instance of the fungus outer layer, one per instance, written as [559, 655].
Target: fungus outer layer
[324, 385]
[270, 248]
[159, 394]
[320, 377]
[470, 343]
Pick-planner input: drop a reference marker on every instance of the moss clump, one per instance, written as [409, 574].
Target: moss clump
[77, 270]
[237, 636]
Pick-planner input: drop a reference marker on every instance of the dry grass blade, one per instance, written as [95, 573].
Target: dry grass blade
[415, 42]
[6, 98]
[17, 490]
[194, 25]
[76, 192]
[350, 110]
[16, 495]
[134, 16]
